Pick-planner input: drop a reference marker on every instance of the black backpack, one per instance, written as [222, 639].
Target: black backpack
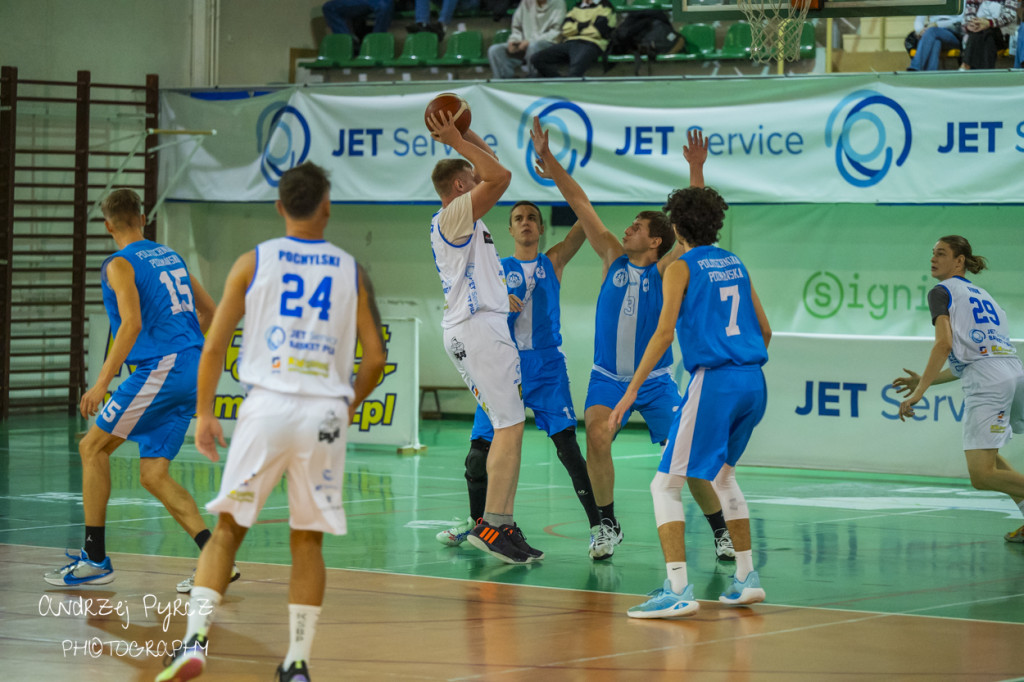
[645, 33]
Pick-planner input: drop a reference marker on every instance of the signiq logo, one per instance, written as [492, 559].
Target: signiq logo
[860, 128]
[282, 140]
[570, 134]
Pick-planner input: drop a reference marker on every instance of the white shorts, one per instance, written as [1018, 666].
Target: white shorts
[482, 350]
[993, 402]
[300, 435]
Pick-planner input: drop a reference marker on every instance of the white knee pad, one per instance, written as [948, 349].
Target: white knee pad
[666, 490]
[734, 505]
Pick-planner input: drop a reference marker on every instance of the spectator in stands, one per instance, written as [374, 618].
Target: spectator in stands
[349, 16]
[1018, 58]
[536, 25]
[585, 34]
[984, 21]
[448, 8]
[936, 35]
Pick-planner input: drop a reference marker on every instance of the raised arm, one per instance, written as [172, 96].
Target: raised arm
[607, 246]
[211, 364]
[494, 178]
[933, 370]
[562, 252]
[674, 284]
[695, 151]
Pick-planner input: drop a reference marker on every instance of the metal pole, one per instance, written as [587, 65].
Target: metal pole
[80, 240]
[8, 127]
[152, 167]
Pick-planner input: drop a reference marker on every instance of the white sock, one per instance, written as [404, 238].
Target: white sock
[303, 620]
[744, 564]
[202, 604]
[677, 575]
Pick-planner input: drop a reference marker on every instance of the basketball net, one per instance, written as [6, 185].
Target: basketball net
[775, 28]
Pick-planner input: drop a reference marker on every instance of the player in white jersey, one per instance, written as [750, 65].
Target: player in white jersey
[305, 303]
[971, 330]
[645, 248]
[476, 334]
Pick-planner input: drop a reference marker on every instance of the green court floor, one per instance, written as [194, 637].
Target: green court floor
[890, 544]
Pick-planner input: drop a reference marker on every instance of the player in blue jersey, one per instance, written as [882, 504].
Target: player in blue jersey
[158, 314]
[972, 332]
[534, 282]
[627, 314]
[710, 303]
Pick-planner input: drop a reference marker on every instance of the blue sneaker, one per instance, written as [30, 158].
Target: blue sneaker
[81, 571]
[747, 592]
[664, 603]
[457, 534]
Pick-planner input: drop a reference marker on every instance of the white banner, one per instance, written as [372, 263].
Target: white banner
[389, 416]
[831, 405]
[884, 138]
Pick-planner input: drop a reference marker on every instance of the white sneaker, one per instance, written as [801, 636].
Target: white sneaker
[457, 534]
[81, 571]
[603, 538]
[186, 585]
[724, 550]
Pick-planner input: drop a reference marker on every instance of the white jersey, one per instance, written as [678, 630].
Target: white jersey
[472, 278]
[300, 320]
[979, 325]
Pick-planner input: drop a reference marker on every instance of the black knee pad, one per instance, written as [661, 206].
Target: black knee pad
[476, 463]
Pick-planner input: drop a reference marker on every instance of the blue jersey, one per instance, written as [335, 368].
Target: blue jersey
[537, 326]
[717, 323]
[627, 315]
[169, 322]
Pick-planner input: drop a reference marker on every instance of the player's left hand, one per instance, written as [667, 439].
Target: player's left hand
[696, 148]
[908, 384]
[208, 434]
[907, 407]
[442, 128]
[92, 400]
[515, 304]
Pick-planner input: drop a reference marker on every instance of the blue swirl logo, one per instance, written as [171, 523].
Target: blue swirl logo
[560, 117]
[282, 140]
[867, 168]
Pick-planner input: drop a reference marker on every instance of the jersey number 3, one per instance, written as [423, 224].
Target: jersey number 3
[295, 287]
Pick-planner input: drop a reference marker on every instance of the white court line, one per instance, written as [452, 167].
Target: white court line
[873, 516]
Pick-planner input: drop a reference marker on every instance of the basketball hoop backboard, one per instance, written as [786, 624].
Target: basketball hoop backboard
[704, 11]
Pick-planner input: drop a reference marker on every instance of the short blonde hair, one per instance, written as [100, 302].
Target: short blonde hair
[121, 205]
[445, 173]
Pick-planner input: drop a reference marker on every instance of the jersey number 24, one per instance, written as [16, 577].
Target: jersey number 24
[295, 288]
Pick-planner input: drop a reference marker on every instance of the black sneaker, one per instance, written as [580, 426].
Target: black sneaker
[515, 533]
[436, 27]
[416, 28]
[298, 671]
[723, 547]
[497, 542]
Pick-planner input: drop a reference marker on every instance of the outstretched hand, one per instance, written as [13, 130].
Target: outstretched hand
[696, 148]
[442, 128]
[908, 385]
[539, 136]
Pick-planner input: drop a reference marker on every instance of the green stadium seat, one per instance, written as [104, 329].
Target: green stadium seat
[807, 44]
[700, 41]
[377, 49]
[465, 48]
[501, 36]
[737, 42]
[418, 49]
[335, 51]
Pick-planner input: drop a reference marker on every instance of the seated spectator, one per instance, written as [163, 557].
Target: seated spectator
[536, 25]
[448, 8]
[1018, 58]
[936, 35]
[585, 33]
[984, 21]
[348, 16]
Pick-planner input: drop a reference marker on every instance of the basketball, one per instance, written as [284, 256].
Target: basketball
[453, 104]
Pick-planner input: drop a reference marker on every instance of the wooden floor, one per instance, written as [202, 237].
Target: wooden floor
[868, 578]
[382, 626]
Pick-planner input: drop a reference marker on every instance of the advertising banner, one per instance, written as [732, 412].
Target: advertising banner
[875, 138]
[389, 416]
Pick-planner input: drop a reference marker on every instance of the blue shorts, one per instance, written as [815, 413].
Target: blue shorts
[713, 425]
[545, 391]
[657, 401]
[153, 406]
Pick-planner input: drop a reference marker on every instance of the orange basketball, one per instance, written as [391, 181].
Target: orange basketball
[453, 104]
